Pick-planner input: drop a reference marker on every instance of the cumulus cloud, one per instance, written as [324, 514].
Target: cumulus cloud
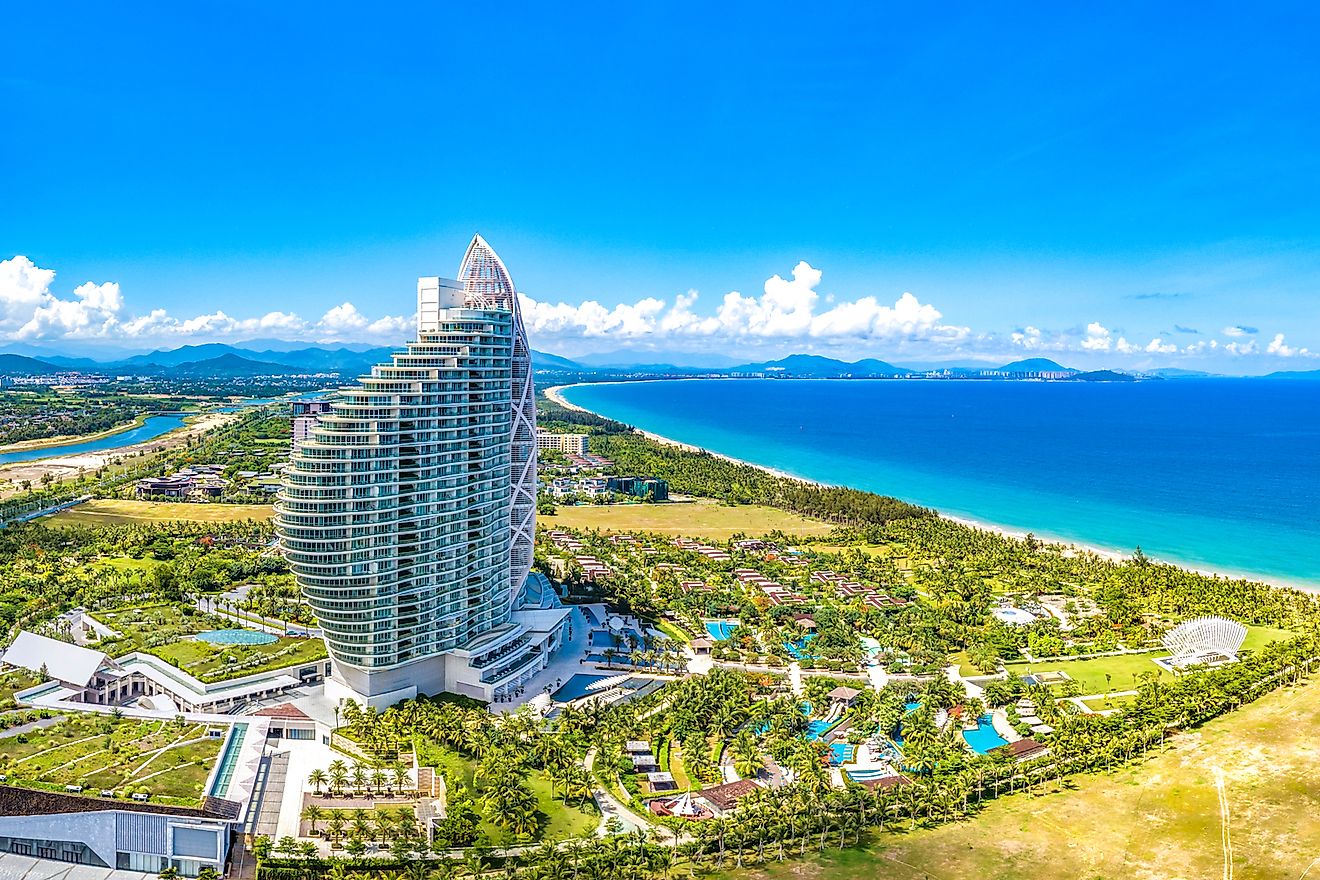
[1278, 347]
[1097, 337]
[787, 309]
[30, 311]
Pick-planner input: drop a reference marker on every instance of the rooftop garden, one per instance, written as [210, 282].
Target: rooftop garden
[168, 631]
[169, 761]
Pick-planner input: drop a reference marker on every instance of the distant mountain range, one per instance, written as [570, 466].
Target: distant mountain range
[219, 361]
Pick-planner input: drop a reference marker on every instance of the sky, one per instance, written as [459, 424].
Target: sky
[1132, 186]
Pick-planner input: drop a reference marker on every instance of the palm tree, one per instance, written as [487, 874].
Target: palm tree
[317, 778]
[313, 814]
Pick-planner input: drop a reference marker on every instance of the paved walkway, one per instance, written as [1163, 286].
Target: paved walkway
[31, 726]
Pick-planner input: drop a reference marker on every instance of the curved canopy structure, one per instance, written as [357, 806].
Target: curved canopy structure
[1204, 640]
[487, 285]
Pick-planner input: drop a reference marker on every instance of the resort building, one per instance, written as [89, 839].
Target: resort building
[408, 515]
[78, 678]
[306, 415]
[569, 444]
[109, 830]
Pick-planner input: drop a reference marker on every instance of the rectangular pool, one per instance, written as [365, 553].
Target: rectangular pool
[984, 737]
[577, 686]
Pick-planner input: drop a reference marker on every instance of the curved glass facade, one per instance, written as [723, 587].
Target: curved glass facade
[403, 515]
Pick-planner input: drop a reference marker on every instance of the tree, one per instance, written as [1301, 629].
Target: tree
[317, 778]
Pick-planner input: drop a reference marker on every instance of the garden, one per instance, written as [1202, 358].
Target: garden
[112, 756]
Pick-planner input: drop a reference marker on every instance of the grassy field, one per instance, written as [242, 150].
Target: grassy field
[96, 751]
[1160, 819]
[1122, 668]
[558, 821]
[697, 519]
[118, 512]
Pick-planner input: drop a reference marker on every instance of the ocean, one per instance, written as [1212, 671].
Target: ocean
[1216, 474]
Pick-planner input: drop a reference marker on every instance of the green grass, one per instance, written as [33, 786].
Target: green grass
[1090, 674]
[558, 820]
[112, 511]
[1104, 703]
[698, 519]
[673, 632]
[166, 631]
[1160, 819]
[119, 754]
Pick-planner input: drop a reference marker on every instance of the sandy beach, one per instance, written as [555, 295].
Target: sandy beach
[1074, 547]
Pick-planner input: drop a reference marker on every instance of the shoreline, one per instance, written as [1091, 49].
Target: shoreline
[73, 439]
[1113, 555]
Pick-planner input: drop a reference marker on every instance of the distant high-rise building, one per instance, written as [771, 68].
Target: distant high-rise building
[409, 514]
[306, 414]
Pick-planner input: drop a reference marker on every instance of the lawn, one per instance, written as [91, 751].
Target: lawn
[166, 631]
[696, 519]
[1123, 667]
[1160, 819]
[558, 821]
[118, 512]
[169, 760]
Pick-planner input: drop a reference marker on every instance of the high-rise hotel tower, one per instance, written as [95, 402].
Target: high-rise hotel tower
[409, 514]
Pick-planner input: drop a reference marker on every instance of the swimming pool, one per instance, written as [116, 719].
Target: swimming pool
[868, 775]
[984, 737]
[799, 648]
[236, 637]
[816, 729]
[721, 629]
[577, 686]
[842, 753]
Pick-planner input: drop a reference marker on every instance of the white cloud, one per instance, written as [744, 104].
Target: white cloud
[29, 311]
[1278, 347]
[1097, 337]
[1238, 331]
[1159, 346]
[1241, 348]
[786, 310]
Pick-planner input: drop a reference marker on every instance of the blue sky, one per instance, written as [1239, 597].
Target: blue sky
[1093, 186]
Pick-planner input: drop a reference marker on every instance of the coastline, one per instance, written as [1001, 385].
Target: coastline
[1109, 553]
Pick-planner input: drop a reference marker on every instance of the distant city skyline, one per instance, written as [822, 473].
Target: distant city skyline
[878, 183]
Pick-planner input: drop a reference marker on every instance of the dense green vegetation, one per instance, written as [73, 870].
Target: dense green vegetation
[40, 414]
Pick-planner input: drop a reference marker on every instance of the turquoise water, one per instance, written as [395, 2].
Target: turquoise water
[577, 686]
[798, 649]
[842, 753]
[1221, 474]
[817, 728]
[721, 629]
[151, 428]
[236, 637]
[983, 738]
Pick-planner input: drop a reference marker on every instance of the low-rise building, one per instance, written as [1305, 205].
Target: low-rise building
[569, 444]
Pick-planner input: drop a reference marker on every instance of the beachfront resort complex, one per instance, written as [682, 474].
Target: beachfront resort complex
[400, 666]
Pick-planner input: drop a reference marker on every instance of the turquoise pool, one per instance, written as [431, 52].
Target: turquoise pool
[577, 686]
[842, 753]
[237, 637]
[984, 737]
[721, 629]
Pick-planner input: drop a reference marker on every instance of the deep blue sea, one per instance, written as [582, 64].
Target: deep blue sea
[1220, 474]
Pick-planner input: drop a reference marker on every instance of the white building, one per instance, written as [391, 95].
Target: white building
[408, 516]
[569, 444]
[306, 415]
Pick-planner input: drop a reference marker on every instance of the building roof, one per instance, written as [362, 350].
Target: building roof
[63, 661]
[284, 710]
[726, 796]
[1023, 748]
[884, 781]
[844, 693]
